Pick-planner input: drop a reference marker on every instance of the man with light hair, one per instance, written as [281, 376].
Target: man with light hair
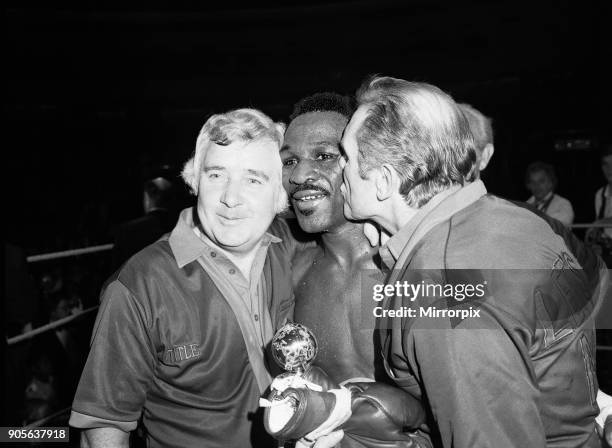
[516, 368]
[482, 130]
[179, 339]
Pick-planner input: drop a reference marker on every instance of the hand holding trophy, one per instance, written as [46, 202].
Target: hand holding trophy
[306, 405]
[299, 402]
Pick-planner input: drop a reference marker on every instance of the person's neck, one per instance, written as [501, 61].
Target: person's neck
[347, 243]
[242, 259]
[395, 215]
[546, 196]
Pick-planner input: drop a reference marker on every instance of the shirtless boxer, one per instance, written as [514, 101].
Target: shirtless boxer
[327, 275]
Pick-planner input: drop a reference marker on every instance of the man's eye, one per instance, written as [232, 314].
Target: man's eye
[289, 162]
[326, 156]
[254, 181]
[214, 175]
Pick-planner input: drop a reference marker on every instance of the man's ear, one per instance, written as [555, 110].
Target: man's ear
[487, 153]
[385, 180]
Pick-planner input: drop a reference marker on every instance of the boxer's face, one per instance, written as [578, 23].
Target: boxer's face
[359, 194]
[539, 184]
[238, 192]
[311, 173]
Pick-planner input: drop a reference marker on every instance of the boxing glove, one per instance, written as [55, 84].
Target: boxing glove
[379, 415]
[382, 415]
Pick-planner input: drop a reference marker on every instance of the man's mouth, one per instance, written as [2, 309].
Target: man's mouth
[308, 195]
[230, 220]
[307, 198]
[308, 192]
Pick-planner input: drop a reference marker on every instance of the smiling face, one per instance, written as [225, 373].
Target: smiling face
[238, 193]
[312, 175]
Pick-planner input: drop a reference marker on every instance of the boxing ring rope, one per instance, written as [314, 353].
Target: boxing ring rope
[49, 326]
[69, 253]
[47, 419]
[60, 322]
[594, 225]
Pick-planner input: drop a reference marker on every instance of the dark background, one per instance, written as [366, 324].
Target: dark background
[96, 92]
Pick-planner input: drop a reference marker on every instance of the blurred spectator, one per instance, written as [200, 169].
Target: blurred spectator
[42, 396]
[65, 305]
[93, 225]
[601, 238]
[482, 130]
[56, 358]
[603, 197]
[541, 180]
[160, 208]
[21, 294]
[20, 306]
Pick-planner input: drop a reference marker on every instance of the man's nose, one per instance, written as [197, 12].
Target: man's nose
[232, 195]
[303, 171]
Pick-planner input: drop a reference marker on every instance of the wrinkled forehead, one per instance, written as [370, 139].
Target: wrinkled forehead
[260, 154]
[313, 127]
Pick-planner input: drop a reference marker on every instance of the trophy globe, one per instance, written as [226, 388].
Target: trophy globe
[294, 348]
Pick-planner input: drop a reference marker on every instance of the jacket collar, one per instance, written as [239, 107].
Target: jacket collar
[438, 209]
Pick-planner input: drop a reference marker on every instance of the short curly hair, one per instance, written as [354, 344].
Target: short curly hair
[324, 102]
[242, 125]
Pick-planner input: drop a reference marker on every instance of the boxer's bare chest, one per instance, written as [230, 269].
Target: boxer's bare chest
[329, 301]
